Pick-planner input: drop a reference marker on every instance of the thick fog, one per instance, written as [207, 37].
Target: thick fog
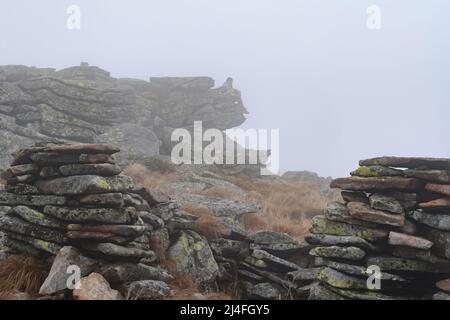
[337, 90]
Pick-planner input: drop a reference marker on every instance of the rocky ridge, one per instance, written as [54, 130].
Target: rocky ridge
[85, 104]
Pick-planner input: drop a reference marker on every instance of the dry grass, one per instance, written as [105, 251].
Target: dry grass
[22, 273]
[144, 177]
[207, 223]
[287, 206]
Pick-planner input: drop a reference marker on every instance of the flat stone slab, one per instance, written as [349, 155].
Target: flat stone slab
[16, 225]
[22, 189]
[354, 196]
[330, 240]
[439, 176]
[434, 220]
[11, 199]
[401, 239]
[386, 263]
[408, 162]
[385, 203]
[436, 205]
[147, 289]
[364, 212]
[134, 231]
[36, 217]
[88, 184]
[438, 188]
[42, 245]
[443, 285]
[376, 171]
[337, 252]
[279, 264]
[355, 270]
[441, 240]
[22, 156]
[336, 211]
[111, 250]
[119, 273]
[104, 200]
[377, 183]
[101, 169]
[20, 170]
[90, 215]
[320, 225]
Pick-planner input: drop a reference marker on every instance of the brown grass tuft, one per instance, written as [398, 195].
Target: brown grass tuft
[22, 273]
[207, 223]
[144, 177]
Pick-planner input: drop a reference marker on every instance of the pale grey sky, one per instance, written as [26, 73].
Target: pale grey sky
[337, 91]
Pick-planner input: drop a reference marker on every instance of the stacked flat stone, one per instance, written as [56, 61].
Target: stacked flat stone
[395, 219]
[60, 194]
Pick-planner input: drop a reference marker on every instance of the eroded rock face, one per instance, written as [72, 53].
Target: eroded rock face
[85, 104]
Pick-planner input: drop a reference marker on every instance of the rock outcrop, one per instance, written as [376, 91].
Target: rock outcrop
[85, 104]
[390, 239]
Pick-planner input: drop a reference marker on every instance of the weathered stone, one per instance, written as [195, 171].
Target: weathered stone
[91, 215]
[443, 285]
[275, 263]
[111, 250]
[436, 205]
[16, 225]
[376, 171]
[304, 275]
[27, 178]
[22, 189]
[105, 200]
[101, 169]
[439, 176]
[441, 240]
[54, 158]
[438, 188]
[147, 289]
[441, 296]
[36, 217]
[153, 197]
[95, 287]
[282, 250]
[377, 183]
[272, 237]
[30, 200]
[400, 239]
[366, 213]
[355, 270]
[21, 247]
[192, 255]
[319, 291]
[434, 220]
[96, 158]
[133, 231]
[385, 203]
[42, 245]
[119, 273]
[49, 172]
[341, 280]
[265, 291]
[57, 279]
[336, 211]
[87, 184]
[81, 148]
[364, 295]
[320, 225]
[229, 248]
[20, 170]
[331, 240]
[402, 264]
[153, 220]
[354, 196]
[408, 162]
[421, 255]
[349, 253]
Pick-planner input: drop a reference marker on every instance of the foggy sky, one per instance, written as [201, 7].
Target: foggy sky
[337, 91]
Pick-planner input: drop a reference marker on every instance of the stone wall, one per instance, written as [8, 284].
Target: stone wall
[85, 104]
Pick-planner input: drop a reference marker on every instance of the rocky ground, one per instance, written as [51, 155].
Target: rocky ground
[173, 232]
